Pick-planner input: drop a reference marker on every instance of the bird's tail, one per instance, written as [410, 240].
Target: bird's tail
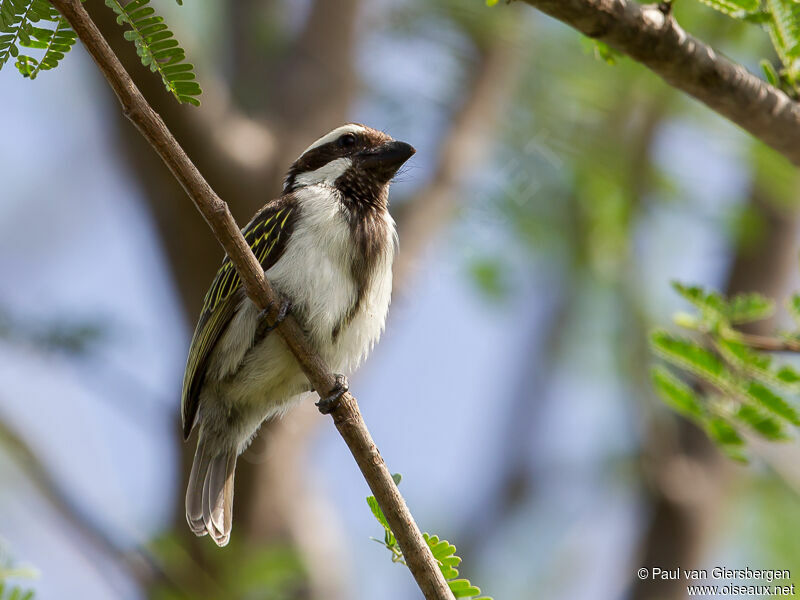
[209, 496]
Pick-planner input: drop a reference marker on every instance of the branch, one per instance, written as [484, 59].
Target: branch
[653, 38]
[769, 344]
[346, 415]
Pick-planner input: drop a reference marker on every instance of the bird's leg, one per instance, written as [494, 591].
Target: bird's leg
[330, 402]
[263, 326]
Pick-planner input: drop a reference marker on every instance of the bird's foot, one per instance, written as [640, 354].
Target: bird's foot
[331, 401]
[264, 326]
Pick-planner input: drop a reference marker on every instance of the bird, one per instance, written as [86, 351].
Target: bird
[326, 245]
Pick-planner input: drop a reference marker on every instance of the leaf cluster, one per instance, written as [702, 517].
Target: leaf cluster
[443, 552]
[781, 20]
[36, 24]
[736, 386]
[157, 48]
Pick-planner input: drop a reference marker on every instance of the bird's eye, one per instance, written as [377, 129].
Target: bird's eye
[347, 141]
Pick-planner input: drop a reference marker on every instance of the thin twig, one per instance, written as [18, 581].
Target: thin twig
[655, 39]
[346, 415]
[767, 343]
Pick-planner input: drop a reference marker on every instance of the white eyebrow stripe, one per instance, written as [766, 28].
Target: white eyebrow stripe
[326, 174]
[334, 135]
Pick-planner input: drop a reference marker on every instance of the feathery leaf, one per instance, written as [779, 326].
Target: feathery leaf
[51, 34]
[157, 48]
[443, 552]
[677, 394]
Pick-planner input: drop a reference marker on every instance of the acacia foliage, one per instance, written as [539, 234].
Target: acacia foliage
[443, 552]
[33, 24]
[735, 386]
[37, 25]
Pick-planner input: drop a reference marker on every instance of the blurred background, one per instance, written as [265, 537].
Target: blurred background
[552, 199]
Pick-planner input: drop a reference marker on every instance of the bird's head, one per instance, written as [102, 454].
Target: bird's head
[355, 159]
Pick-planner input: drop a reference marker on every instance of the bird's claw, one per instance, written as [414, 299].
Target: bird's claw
[264, 325]
[331, 401]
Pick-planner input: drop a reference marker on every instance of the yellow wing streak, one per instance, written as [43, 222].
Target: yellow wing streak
[227, 280]
[218, 304]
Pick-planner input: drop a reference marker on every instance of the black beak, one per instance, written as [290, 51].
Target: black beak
[387, 158]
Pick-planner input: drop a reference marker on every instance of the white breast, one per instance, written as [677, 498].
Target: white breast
[315, 272]
[314, 268]
[357, 339]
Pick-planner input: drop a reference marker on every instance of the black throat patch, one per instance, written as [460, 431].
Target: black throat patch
[372, 238]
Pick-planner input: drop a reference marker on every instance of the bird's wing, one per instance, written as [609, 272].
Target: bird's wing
[266, 235]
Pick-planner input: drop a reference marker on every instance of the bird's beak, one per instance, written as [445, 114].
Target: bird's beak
[387, 158]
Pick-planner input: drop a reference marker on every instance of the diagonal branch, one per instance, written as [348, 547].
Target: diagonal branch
[770, 344]
[346, 415]
[651, 36]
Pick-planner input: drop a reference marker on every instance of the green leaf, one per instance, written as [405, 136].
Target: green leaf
[677, 394]
[723, 432]
[57, 43]
[157, 48]
[744, 356]
[774, 403]
[769, 73]
[742, 308]
[746, 308]
[16, 17]
[26, 65]
[440, 549]
[787, 375]
[693, 357]
[794, 307]
[713, 307]
[757, 364]
[726, 436]
[443, 552]
[606, 53]
[462, 588]
[52, 34]
[761, 423]
[784, 31]
[376, 510]
[733, 8]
